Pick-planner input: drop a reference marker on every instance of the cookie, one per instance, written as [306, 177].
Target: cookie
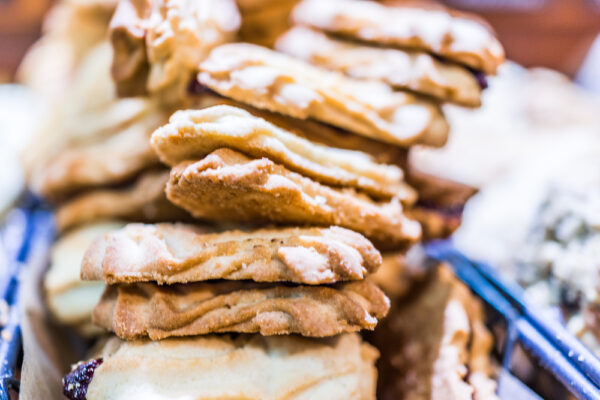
[192, 134]
[103, 161]
[456, 37]
[312, 130]
[158, 44]
[411, 70]
[436, 344]
[175, 253]
[149, 310]
[276, 82]
[228, 186]
[251, 367]
[144, 200]
[70, 299]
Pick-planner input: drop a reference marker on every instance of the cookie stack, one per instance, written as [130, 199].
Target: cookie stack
[298, 169]
[431, 51]
[170, 280]
[91, 158]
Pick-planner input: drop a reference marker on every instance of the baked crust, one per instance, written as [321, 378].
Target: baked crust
[103, 161]
[437, 345]
[312, 130]
[228, 186]
[250, 367]
[146, 309]
[459, 38]
[192, 134]
[175, 253]
[69, 299]
[276, 82]
[412, 70]
[144, 200]
[158, 44]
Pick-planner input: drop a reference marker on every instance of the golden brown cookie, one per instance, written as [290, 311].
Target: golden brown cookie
[250, 367]
[175, 253]
[435, 344]
[102, 161]
[312, 130]
[228, 186]
[276, 82]
[192, 134]
[159, 43]
[412, 70]
[69, 299]
[144, 200]
[459, 38]
[146, 309]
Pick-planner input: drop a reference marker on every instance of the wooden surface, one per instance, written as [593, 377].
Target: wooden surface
[20, 22]
[550, 33]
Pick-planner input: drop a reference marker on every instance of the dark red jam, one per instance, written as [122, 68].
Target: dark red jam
[75, 384]
[481, 79]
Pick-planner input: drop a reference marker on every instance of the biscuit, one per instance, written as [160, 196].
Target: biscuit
[248, 367]
[192, 134]
[69, 299]
[103, 161]
[146, 309]
[276, 82]
[436, 344]
[174, 253]
[144, 200]
[456, 37]
[312, 130]
[228, 186]
[158, 44]
[412, 70]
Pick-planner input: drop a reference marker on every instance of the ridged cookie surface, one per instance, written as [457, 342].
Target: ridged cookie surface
[192, 134]
[103, 161]
[228, 186]
[158, 44]
[276, 82]
[412, 70]
[143, 200]
[175, 253]
[146, 309]
[456, 37]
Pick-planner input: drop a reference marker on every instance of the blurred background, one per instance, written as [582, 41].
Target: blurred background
[558, 34]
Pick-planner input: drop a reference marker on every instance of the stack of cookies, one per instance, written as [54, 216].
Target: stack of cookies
[91, 158]
[296, 173]
[428, 50]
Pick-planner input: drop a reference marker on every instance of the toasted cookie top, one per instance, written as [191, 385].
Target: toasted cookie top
[192, 134]
[176, 253]
[149, 310]
[456, 37]
[276, 82]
